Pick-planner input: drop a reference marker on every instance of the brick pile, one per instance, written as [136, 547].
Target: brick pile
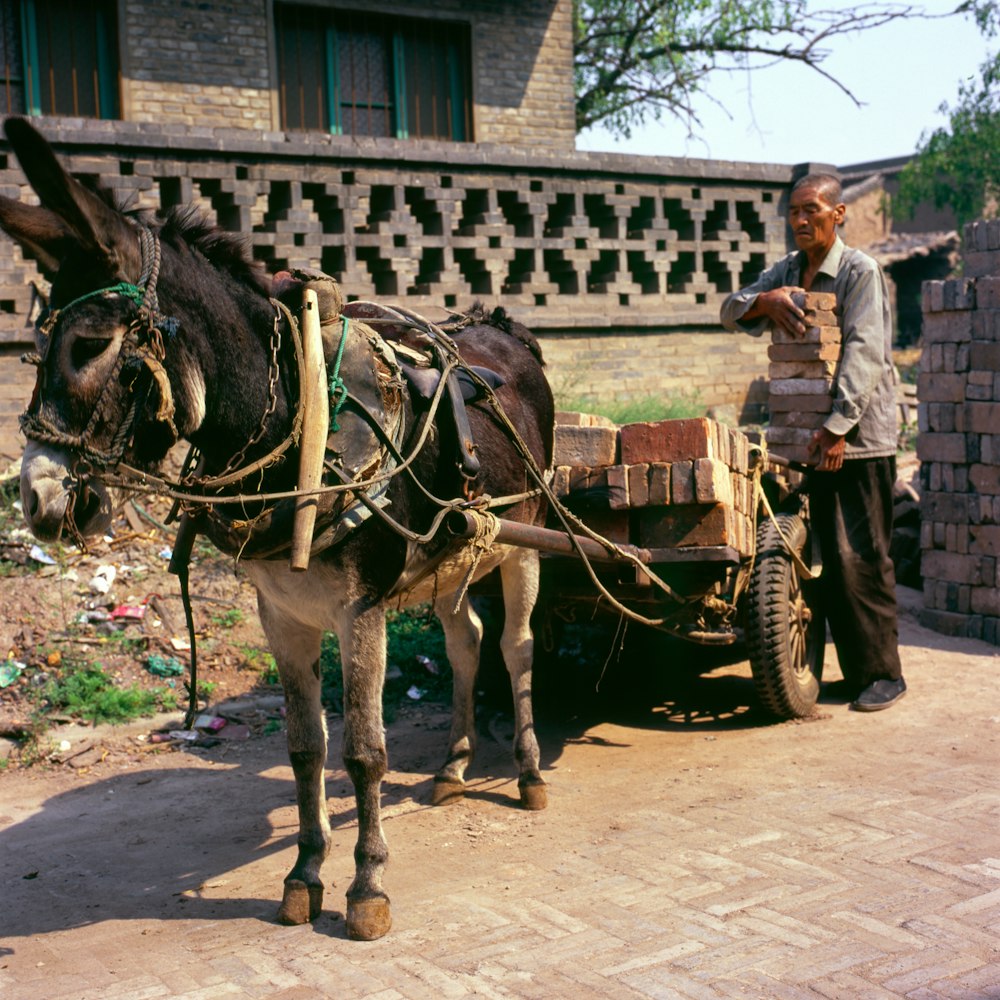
[959, 443]
[801, 375]
[666, 484]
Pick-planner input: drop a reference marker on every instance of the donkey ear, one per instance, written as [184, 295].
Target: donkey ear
[41, 233]
[96, 225]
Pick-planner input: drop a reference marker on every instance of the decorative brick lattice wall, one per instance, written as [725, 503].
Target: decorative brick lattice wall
[619, 263]
[959, 443]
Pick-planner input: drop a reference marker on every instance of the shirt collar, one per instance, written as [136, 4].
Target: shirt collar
[831, 262]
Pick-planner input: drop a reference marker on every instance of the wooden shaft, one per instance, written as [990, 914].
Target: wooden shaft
[315, 428]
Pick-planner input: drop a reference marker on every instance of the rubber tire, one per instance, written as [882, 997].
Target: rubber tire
[785, 635]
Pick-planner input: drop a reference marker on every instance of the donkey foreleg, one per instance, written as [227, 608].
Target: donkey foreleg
[363, 653]
[463, 634]
[296, 651]
[519, 575]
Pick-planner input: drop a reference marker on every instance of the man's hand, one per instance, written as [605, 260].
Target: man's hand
[777, 305]
[830, 450]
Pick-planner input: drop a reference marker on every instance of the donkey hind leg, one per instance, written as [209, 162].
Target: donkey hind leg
[296, 651]
[519, 576]
[363, 652]
[463, 635]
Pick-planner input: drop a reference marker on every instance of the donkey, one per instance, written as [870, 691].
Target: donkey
[160, 329]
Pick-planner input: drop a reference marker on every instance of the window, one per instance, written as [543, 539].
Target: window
[60, 57]
[369, 74]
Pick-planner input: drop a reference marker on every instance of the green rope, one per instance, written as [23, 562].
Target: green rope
[133, 292]
[338, 388]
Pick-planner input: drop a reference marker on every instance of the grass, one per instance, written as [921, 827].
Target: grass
[640, 410]
[86, 691]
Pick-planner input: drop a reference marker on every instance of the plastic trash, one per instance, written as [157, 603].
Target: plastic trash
[211, 722]
[164, 666]
[129, 612]
[10, 670]
[414, 693]
[428, 664]
[102, 581]
[39, 554]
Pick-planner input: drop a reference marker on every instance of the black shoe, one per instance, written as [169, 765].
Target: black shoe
[879, 695]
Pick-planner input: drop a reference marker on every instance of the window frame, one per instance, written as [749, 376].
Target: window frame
[106, 67]
[460, 116]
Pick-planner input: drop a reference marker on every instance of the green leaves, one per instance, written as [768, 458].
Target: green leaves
[639, 59]
[958, 165]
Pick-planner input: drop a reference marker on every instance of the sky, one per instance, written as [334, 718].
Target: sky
[902, 72]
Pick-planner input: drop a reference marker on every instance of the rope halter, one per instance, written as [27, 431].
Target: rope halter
[107, 435]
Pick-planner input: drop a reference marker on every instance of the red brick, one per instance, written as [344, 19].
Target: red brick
[682, 482]
[585, 446]
[800, 369]
[815, 403]
[804, 352]
[688, 524]
[712, 482]
[669, 440]
[985, 479]
[983, 418]
[813, 335]
[940, 388]
[942, 448]
[985, 539]
[638, 484]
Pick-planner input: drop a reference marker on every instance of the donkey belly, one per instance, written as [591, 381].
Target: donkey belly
[424, 582]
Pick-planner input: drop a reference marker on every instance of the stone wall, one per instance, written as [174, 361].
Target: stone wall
[210, 64]
[959, 443]
[620, 263]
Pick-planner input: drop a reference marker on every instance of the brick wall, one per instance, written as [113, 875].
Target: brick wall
[959, 443]
[620, 263]
[209, 64]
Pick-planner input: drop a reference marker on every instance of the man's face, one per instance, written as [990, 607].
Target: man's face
[814, 219]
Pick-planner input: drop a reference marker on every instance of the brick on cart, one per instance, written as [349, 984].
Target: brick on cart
[659, 483]
[682, 482]
[669, 440]
[585, 446]
[711, 481]
[685, 525]
[638, 484]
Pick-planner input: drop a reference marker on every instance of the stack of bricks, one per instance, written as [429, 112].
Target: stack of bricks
[667, 484]
[959, 443]
[801, 376]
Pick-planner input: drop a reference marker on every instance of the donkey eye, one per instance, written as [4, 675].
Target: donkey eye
[87, 348]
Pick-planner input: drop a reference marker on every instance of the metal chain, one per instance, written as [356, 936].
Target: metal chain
[274, 373]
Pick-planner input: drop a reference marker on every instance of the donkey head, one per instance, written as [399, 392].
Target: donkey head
[99, 344]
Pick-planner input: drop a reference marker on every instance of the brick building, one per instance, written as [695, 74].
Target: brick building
[418, 152]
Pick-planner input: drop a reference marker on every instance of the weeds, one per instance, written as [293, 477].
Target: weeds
[86, 691]
[228, 619]
[645, 408]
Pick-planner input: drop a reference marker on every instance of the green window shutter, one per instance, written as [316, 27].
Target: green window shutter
[333, 80]
[399, 85]
[29, 46]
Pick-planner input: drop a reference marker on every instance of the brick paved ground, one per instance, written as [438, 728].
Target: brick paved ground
[689, 850]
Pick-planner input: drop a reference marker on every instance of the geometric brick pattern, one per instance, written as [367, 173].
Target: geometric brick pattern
[559, 251]
[959, 443]
[699, 854]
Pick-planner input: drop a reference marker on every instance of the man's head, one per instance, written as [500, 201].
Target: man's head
[815, 209]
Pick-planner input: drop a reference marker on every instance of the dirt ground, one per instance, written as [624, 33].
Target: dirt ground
[692, 847]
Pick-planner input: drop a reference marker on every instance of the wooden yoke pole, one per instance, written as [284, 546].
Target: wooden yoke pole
[315, 428]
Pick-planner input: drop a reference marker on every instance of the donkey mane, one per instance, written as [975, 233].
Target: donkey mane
[187, 227]
[500, 319]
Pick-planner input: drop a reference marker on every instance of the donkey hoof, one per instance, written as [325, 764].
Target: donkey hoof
[368, 919]
[301, 903]
[534, 794]
[447, 792]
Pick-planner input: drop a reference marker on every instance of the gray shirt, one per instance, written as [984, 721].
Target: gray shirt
[864, 400]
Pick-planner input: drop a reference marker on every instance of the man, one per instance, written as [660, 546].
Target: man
[855, 450]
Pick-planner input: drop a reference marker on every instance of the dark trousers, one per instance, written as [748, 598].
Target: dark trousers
[851, 514]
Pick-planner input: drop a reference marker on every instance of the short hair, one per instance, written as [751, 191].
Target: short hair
[827, 184]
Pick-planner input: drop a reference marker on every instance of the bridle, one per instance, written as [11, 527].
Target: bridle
[139, 367]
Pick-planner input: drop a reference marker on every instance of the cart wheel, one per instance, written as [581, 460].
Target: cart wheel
[785, 636]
